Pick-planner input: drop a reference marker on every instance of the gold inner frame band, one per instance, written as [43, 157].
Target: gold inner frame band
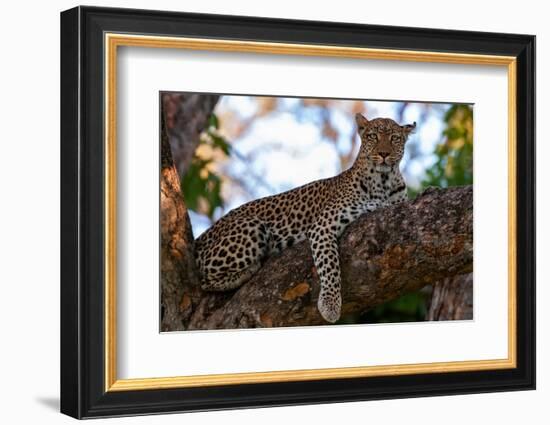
[113, 41]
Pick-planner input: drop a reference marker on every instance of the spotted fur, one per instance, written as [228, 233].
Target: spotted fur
[232, 250]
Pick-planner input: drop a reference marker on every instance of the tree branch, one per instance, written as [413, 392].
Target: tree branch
[383, 255]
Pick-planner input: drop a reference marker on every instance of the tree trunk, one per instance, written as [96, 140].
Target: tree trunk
[178, 277]
[186, 117]
[452, 299]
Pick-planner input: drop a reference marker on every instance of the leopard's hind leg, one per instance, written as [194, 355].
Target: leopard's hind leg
[234, 255]
[229, 281]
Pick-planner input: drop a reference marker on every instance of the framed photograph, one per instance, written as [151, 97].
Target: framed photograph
[261, 212]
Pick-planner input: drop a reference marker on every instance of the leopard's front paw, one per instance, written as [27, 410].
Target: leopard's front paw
[329, 306]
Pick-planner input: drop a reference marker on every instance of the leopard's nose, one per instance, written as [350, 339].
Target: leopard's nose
[384, 154]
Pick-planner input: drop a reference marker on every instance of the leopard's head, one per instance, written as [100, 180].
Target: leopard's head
[383, 140]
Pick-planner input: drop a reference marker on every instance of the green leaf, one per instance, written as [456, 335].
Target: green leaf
[213, 121]
[454, 165]
[221, 143]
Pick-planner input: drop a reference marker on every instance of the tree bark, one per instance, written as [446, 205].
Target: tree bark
[452, 299]
[178, 277]
[383, 255]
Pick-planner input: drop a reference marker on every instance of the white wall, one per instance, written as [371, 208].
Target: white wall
[29, 225]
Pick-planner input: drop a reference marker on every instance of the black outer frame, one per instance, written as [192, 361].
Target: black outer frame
[82, 206]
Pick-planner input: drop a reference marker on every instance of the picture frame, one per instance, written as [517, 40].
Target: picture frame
[90, 39]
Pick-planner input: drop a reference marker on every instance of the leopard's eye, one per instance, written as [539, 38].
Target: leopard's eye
[395, 138]
[372, 136]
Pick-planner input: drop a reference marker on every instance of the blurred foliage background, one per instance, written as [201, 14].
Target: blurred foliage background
[257, 146]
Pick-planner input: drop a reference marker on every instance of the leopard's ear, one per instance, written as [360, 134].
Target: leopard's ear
[409, 128]
[361, 121]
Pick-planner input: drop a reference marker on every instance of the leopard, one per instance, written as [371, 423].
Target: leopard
[231, 251]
